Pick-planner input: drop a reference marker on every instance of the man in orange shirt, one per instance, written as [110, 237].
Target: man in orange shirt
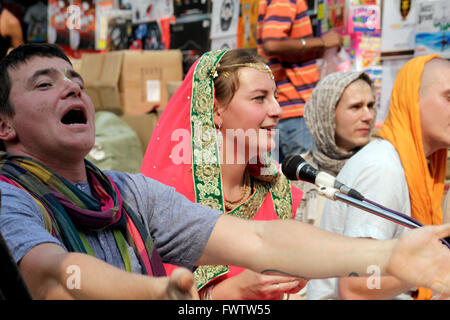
[286, 40]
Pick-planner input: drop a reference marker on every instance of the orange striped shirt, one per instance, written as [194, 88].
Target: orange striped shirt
[288, 19]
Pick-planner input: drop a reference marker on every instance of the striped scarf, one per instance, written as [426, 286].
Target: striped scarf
[67, 210]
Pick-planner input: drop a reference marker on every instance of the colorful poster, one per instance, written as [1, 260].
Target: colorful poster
[336, 14]
[248, 23]
[432, 32]
[368, 59]
[322, 25]
[399, 19]
[151, 10]
[58, 31]
[224, 19]
[363, 18]
[365, 2]
[367, 51]
[228, 42]
[82, 36]
[104, 24]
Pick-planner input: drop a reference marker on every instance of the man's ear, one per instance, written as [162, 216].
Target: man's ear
[7, 131]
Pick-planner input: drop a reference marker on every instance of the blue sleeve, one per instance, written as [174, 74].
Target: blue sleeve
[21, 222]
[179, 228]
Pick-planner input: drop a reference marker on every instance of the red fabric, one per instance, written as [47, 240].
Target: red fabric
[157, 163]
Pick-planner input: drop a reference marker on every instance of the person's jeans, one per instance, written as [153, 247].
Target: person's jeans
[294, 138]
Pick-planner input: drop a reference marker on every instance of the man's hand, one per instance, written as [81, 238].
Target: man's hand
[332, 39]
[181, 285]
[420, 258]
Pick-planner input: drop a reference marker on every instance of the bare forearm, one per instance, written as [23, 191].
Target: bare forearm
[370, 288]
[292, 247]
[299, 47]
[52, 273]
[306, 251]
[292, 47]
[99, 280]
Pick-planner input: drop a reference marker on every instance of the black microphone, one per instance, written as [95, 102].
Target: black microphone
[296, 168]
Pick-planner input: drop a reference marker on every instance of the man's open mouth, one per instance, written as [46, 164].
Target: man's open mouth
[74, 116]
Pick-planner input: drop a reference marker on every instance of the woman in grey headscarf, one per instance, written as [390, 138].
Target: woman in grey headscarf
[340, 115]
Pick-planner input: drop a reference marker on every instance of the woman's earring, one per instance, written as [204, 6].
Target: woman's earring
[219, 136]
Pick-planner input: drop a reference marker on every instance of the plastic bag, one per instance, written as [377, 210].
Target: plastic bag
[334, 61]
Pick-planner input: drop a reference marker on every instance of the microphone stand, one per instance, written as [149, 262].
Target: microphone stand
[375, 210]
[334, 194]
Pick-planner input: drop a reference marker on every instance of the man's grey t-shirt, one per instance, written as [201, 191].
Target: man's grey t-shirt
[178, 227]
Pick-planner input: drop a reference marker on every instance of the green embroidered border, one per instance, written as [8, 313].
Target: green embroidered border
[205, 155]
[282, 197]
[249, 208]
[280, 191]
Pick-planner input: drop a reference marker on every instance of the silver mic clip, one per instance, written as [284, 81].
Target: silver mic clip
[327, 192]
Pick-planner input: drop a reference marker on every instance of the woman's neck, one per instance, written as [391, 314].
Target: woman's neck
[233, 167]
[233, 180]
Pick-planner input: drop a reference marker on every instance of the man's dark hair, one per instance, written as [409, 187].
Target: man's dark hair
[14, 59]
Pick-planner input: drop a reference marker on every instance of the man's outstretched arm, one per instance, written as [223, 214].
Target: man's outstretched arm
[299, 249]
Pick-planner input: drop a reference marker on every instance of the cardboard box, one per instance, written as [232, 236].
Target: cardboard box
[108, 86]
[76, 64]
[130, 82]
[91, 69]
[144, 77]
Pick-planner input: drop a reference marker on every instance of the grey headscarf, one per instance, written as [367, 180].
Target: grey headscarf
[320, 111]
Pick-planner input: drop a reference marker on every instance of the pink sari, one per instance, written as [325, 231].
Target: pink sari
[183, 153]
